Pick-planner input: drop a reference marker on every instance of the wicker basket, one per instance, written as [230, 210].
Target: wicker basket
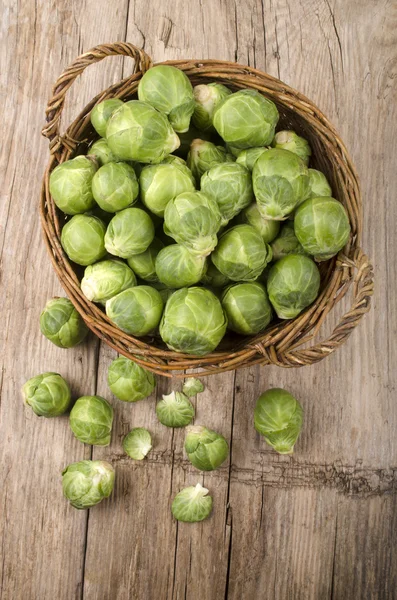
[286, 344]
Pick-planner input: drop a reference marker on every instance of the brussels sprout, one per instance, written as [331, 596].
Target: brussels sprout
[82, 238]
[137, 443]
[318, 184]
[230, 186]
[192, 386]
[322, 227]
[129, 381]
[289, 140]
[187, 138]
[286, 242]
[102, 112]
[101, 152]
[91, 420]
[87, 482]
[192, 504]
[205, 449]
[176, 267]
[175, 410]
[115, 186]
[131, 231]
[70, 185]
[247, 307]
[48, 395]
[278, 417]
[169, 90]
[203, 155]
[246, 119]
[292, 285]
[213, 277]
[106, 279]
[267, 228]
[281, 182]
[144, 264]
[207, 97]
[193, 321]
[137, 131]
[248, 157]
[193, 220]
[241, 254]
[160, 183]
[137, 310]
[61, 323]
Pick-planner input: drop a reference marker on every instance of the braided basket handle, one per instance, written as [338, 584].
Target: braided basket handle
[55, 105]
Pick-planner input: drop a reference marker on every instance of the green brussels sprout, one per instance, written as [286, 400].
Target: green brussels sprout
[187, 138]
[322, 227]
[131, 231]
[267, 228]
[137, 443]
[193, 220]
[137, 131]
[248, 157]
[213, 277]
[289, 140]
[286, 242]
[136, 311]
[106, 279]
[61, 323]
[203, 155]
[175, 410]
[205, 449]
[87, 482]
[176, 267]
[83, 238]
[292, 285]
[246, 119]
[128, 381]
[281, 182]
[160, 183]
[192, 386]
[115, 186]
[278, 417]
[102, 112]
[101, 152]
[207, 97]
[193, 321]
[318, 184]
[230, 185]
[247, 308]
[241, 253]
[192, 504]
[48, 395]
[70, 185]
[144, 264]
[91, 420]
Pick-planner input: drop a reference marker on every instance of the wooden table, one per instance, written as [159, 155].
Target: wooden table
[321, 524]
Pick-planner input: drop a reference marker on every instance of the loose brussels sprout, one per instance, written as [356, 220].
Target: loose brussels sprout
[175, 410]
[286, 242]
[115, 186]
[131, 231]
[192, 386]
[160, 183]
[176, 267]
[193, 321]
[61, 323]
[281, 182]
[91, 420]
[292, 285]
[248, 157]
[187, 138]
[230, 185]
[241, 254]
[129, 381]
[289, 140]
[106, 279]
[278, 417]
[102, 112]
[137, 310]
[48, 395]
[203, 155]
[205, 449]
[318, 184]
[137, 443]
[247, 308]
[70, 185]
[82, 238]
[144, 264]
[246, 119]
[193, 220]
[137, 131]
[213, 277]
[101, 152]
[87, 482]
[192, 504]
[322, 227]
[207, 97]
[267, 228]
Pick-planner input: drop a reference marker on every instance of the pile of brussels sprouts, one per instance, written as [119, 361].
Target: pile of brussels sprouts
[227, 238]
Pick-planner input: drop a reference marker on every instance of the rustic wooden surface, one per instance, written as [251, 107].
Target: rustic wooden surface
[321, 524]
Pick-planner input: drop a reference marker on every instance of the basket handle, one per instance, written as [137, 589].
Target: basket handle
[56, 103]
